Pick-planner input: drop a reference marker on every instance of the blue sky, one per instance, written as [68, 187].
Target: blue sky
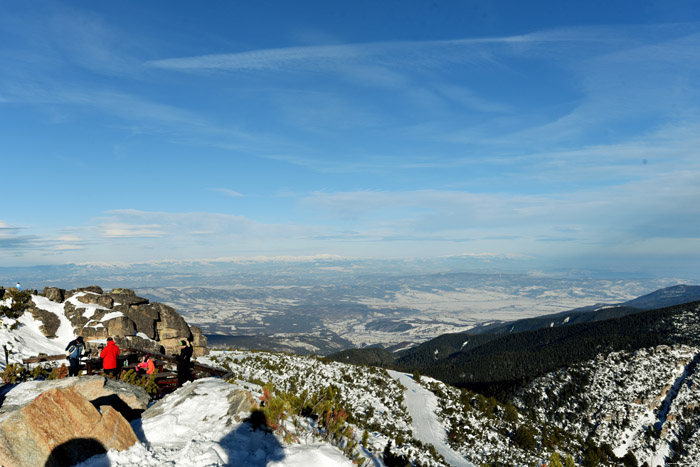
[547, 134]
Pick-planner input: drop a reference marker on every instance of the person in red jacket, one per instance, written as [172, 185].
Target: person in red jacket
[109, 358]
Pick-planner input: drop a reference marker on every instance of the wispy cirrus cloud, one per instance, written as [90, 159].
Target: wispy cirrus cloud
[414, 53]
[227, 192]
[122, 230]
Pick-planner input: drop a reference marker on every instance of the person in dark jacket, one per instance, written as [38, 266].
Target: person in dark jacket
[74, 350]
[109, 358]
[183, 363]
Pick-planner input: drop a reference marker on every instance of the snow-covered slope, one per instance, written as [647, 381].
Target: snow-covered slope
[193, 429]
[422, 405]
[23, 338]
[644, 403]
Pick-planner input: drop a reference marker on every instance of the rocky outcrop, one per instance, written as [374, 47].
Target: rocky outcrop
[49, 321]
[171, 328]
[75, 315]
[120, 326]
[94, 330]
[54, 294]
[132, 320]
[91, 288]
[61, 427]
[126, 297]
[101, 300]
[199, 341]
[144, 317]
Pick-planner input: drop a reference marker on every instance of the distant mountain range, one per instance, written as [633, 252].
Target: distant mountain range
[668, 296]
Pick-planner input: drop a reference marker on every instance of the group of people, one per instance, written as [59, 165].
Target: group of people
[110, 352]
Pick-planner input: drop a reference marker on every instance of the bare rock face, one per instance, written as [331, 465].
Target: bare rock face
[199, 342]
[120, 326]
[127, 297]
[102, 300]
[49, 321]
[91, 288]
[75, 315]
[54, 294]
[133, 320]
[171, 325]
[144, 316]
[94, 330]
[171, 328]
[61, 427]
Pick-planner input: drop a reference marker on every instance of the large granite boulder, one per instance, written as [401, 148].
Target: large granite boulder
[97, 389]
[199, 342]
[61, 427]
[54, 294]
[94, 330]
[138, 342]
[143, 316]
[171, 325]
[120, 326]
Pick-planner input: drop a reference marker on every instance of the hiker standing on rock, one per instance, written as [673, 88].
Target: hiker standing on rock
[109, 358]
[74, 350]
[183, 363]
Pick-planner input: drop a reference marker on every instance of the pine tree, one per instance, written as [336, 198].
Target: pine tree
[555, 460]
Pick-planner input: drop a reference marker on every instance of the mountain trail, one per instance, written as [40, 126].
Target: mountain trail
[421, 405]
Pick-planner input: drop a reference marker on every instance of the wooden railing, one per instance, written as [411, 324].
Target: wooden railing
[130, 356]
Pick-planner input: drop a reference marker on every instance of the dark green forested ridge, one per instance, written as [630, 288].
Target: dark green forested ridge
[369, 356]
[487, 361]
[525, 355]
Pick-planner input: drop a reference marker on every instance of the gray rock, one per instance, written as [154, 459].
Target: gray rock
[94, 388]
[127, 297]
[75, 315]
[101, 300]
[171, 325]
[120, 326]
[54, 294]
[94, 330]
[49, 321]
[105, 301]
[91, 288]
[143, 316]
[199, 342]
[60, 427]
